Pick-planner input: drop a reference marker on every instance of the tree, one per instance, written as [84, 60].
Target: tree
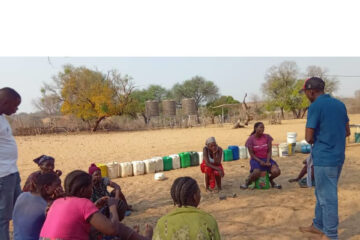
[49, 102]
[212, 112]
[153, 92]
[280, 81]
[198, 88]
[91, 95]
[331, 83]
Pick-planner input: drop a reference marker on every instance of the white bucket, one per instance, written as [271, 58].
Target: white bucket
[159, 164]
[126, 169]
[298, 147]
[175, 161]
[283, 149]
[243, 152]
[291, 137]
[275, 150]
[138, 168]
[150, 165]
[113, 170]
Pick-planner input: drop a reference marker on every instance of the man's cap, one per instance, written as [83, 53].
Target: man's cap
[313, 83]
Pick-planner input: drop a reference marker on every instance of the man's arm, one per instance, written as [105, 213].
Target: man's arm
[309, 135]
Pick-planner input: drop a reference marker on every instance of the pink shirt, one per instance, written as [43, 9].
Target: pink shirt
[67, 217]
[259, 145]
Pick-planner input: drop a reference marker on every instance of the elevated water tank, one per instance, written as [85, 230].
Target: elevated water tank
[188, 106]
[152, 108]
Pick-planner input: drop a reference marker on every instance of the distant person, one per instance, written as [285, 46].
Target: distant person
[100, 185]
[308, 169]
[187, 221]
[9, 174]
[46, 165]
[260, 149]
[211, 164]
[327, 127]
[71, 217]
[29, 210]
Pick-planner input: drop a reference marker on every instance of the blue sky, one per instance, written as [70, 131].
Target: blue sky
[234, 76]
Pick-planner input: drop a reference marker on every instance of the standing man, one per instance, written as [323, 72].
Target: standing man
[327, 127]
[9, 174]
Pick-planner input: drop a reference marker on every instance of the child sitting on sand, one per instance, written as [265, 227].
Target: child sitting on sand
[29, 210]
[46, 165]
[308, 181]
[187, 221]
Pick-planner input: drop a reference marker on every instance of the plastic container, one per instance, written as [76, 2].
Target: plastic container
[103, 168]
[297, 148]
[126, 169]
[263, 182]
[185, 160]
[175, 161]
[159, 164]
[150, 165]
[159, 176]
[201, 157]
[306, 148]
[113, 170]
[194, 158]
[167, 161]
[357, 137]
[138, 168]
[243, 152]
[275, 150]
[291, 137]
[228, 155]
[235, 151]
[283, 149]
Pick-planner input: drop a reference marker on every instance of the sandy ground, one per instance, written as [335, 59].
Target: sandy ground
[252, 214]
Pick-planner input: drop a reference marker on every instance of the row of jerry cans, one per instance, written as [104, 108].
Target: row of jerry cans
[234, 152]
[285, 149]
[155, 164]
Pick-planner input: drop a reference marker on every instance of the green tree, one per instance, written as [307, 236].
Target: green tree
[198, 88]
[212, 112]
[153, 92]
[91, 95]
[279, 85]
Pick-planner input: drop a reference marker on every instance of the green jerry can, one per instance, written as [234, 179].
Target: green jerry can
[228, 155]
[185, 159]
[263, 182]
[194, 158]
[167, 163]
[357, 137]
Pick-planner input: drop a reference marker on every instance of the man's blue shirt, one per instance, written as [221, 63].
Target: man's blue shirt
[328, 117]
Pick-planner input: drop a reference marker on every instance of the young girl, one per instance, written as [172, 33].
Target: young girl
[46, 165]
[71, 217]
[100, 185]
[211, 165]
[260, 149]
[29, 210]
[186, 221]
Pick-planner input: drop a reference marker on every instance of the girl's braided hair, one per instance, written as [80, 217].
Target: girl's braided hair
[75, 182]
[183, 191]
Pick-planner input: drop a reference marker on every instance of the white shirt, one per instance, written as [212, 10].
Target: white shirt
[8, 149]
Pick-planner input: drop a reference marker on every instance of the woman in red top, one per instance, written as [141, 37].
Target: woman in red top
[260, 149]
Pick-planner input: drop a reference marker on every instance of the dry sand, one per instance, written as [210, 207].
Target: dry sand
[252, 214]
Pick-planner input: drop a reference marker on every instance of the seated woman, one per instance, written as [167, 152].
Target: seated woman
[186, 221]
[100, 185]
[46, 165]
[260, 149]
[211, 165]
[29, 210]
[71, 217]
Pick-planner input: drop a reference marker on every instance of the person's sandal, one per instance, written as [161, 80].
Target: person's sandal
[277, 186]
[244, 186]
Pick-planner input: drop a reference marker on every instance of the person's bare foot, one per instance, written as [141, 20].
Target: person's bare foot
[310, 229]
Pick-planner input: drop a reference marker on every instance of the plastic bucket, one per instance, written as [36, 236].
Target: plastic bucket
[243, 152]
[283, 149]
[103, 168]
[291, 137]
[113, 170]
[275, 150]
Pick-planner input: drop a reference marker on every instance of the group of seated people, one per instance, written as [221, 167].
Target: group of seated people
[84, 209]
